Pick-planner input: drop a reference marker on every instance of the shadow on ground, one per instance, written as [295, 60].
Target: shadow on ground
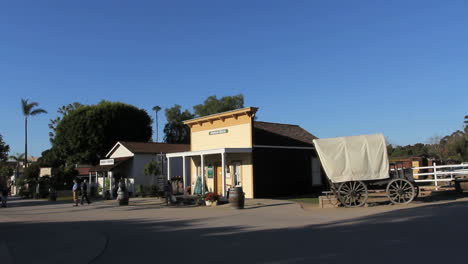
[428, 234]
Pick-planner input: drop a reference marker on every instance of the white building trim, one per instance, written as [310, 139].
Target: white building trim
[208, 152]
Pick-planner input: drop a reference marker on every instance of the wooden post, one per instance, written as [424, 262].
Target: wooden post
[203, 173]
[184, 174]
[223, 165]
[168, 168]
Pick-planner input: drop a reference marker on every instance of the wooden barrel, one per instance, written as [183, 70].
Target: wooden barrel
[236, 197]
[461, 185]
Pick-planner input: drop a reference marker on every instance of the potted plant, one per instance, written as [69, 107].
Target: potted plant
[188, 190]
[211, 199]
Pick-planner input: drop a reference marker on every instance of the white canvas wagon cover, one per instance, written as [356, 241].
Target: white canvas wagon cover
[355, 158]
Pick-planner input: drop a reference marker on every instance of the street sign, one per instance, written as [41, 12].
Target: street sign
[106, 162]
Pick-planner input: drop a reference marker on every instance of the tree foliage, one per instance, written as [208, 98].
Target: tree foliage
[152, 168]
[62, 111]
[452, 147]
[418, 149]
[4, 149]
[87, 133]
[31, 173]
[176, 132]
[213, 105]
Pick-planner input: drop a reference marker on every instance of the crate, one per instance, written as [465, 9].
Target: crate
[328, 201]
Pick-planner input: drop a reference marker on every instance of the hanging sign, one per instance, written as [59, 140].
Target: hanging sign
[217, 132]
[210, 171]
[106, 162]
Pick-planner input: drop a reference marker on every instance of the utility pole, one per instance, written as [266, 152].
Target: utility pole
[156, 109]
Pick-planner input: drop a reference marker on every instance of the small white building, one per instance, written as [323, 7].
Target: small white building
[127, 160]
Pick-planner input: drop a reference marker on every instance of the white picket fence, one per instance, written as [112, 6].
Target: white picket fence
[441, 173]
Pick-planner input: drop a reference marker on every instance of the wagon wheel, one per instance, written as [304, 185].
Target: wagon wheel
[352, 193]
[400, 191]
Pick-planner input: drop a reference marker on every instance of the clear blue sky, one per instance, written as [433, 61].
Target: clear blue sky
[336, 68]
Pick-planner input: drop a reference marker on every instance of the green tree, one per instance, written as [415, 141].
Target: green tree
[4, 149]
[175, 130]
[213, 105]
[156, 109]
[31, 173]
[152, 168]
[456, 146]
[5, 172]
[29, 110]
[62, 111]
[86, 134]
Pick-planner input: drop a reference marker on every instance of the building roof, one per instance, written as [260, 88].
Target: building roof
[83, 170]
[151, 147]
[275, 134]
[233, 113]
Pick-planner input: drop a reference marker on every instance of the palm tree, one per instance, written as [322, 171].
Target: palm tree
[18, 158]
[29, 111]
[156, 109]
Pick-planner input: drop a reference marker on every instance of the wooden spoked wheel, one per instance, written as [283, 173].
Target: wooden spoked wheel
[400, 191]
[352, 194]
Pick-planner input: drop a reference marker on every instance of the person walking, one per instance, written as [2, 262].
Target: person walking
[168, 192]
[76, 190]
[84, 192]
[4, 193]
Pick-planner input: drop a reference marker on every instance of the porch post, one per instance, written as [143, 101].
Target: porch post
[202, 172]
[104, 184]
[183, 173]
[89, 183]
[97, 185]
[110, 184]
[168, 168]
[223, 173]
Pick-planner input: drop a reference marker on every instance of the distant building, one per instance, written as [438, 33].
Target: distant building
[126, 160]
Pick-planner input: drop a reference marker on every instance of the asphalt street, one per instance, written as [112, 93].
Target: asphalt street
[267, 231]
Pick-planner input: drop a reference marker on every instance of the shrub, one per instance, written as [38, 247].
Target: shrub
[154, 191]
[211, 196]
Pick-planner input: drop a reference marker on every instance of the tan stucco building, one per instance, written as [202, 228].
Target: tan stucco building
[232, 149]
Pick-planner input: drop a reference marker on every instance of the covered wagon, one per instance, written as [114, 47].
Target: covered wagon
[356, 164]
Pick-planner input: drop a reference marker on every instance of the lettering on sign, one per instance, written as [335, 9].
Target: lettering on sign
[217, 132]
[106, 162]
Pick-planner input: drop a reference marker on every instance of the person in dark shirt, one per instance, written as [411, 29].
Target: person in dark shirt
[168, 192]
[84, 192]
[4, 192]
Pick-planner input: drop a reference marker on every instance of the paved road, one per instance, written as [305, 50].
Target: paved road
[268, 231]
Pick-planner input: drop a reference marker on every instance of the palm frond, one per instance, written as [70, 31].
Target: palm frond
[24, 106]
[18, 157]
[38, 111]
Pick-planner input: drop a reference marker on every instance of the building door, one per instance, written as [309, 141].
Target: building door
[237, 173]
[316, 172]
[219, 180]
